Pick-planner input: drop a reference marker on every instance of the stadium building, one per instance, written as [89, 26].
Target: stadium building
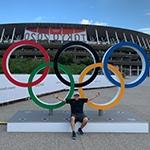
[53, 35]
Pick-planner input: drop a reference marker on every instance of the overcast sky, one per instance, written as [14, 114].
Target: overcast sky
[131, 14]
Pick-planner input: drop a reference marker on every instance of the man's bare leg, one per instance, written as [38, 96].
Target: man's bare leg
[85, 121]
[72, 122]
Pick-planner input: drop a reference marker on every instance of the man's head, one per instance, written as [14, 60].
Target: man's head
[76, 96]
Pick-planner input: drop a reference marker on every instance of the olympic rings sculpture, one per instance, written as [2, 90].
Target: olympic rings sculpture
[106, 68]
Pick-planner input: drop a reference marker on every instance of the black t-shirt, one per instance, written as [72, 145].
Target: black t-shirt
[77, 105]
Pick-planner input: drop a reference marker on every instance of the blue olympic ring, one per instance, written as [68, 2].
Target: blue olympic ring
[144, 58]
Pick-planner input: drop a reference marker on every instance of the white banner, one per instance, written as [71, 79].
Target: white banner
[55, 34]
[10, 92]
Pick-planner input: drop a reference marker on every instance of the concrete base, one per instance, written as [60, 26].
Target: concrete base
[111, 121]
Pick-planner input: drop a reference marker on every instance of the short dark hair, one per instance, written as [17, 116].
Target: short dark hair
[76, 94]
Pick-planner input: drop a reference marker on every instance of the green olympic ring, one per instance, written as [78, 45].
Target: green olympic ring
[39, 102]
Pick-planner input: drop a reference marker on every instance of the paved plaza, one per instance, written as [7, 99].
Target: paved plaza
[136, 100]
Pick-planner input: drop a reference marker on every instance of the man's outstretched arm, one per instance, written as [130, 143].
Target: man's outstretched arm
[98, 94]
[60, 98]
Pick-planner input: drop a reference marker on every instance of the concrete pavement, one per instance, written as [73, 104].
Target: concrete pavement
[135, 100]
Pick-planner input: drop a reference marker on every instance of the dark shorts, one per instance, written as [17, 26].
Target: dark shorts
[79, 117]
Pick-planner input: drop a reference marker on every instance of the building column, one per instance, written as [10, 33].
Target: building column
[117, 37]
[121, 69]
[144, 43]
[125, 38]
[148, 44]
[107, 36]
[49, 32]
[62, 40]
[130, 71]
[2, 35]
[138, 70]
[13, 34]
[139, 41]
[132, 38]
[97, 36]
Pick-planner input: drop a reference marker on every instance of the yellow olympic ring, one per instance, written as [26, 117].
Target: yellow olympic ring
[116, 99]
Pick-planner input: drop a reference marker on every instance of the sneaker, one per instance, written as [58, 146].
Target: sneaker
[80, 131]
[73, 135]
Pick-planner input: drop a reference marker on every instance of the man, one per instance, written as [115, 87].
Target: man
[77, 113]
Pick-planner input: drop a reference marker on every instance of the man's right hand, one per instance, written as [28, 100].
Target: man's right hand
[59, 98]
[56, 96]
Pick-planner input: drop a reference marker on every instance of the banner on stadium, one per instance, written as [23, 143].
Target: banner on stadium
[55, 34]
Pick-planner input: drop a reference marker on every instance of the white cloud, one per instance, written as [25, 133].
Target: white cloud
[147, 14]
[101, 23]
[87, 21]
[40, 18]
[145, 30]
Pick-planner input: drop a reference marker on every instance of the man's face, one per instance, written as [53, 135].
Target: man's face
[76, 97]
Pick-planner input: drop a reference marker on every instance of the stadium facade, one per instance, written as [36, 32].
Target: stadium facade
[53, 35]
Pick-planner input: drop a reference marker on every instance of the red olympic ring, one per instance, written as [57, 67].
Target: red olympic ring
[11, 49]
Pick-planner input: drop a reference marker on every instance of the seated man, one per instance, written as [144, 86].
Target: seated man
[77, 113]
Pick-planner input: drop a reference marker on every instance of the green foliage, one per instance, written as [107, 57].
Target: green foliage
[87, 61]
[75, 69]
[65, 59]
[27, 65]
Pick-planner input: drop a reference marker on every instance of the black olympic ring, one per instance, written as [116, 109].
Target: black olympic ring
[86, 47]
